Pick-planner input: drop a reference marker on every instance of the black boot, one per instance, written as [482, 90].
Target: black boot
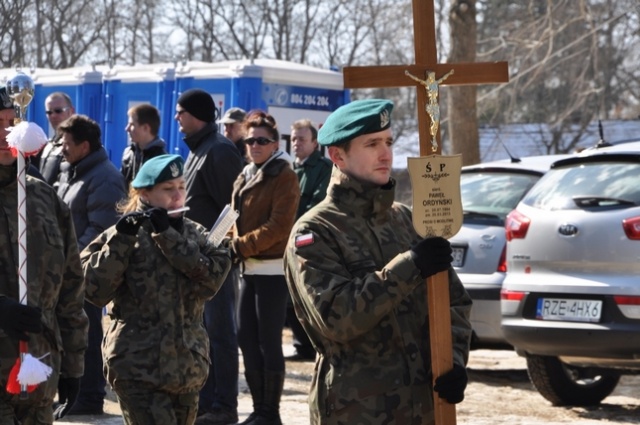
[255, 380]
[269, 413]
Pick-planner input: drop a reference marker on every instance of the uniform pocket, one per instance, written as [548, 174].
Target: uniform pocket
[374, 385]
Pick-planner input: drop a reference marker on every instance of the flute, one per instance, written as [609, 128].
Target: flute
[177, 210]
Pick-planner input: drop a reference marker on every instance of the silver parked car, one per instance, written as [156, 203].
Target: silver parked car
[571, 300]
[489, 192]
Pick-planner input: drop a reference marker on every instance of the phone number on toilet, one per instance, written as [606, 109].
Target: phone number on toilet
[309, 99]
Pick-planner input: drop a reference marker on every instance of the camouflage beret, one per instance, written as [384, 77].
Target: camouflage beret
[157, 170]
[5, 100]
[355, 119]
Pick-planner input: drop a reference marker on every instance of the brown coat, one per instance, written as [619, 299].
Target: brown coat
[267, 205]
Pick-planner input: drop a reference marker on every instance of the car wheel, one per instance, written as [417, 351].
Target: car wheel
[562, 384]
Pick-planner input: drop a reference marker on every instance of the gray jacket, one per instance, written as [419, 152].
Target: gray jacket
[91, 188]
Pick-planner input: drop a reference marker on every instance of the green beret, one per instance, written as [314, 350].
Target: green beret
[355, 119]
[157, 170]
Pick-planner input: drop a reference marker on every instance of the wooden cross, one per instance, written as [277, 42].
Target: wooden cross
[395, 76]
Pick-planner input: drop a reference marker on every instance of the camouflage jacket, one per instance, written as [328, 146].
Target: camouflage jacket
[363, 304]
[54, 281]
[158, 283]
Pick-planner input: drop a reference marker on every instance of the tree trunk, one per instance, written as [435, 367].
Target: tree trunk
[462, 113]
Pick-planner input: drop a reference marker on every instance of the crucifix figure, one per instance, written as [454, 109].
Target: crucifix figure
[435, 74]
[433, 107]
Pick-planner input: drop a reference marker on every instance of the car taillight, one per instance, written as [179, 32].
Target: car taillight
[516, 225]
[507, 295]
[630, 306]
[631, 228]
[502, 263]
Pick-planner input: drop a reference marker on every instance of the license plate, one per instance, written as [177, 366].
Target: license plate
[569, 310]
[458, 256]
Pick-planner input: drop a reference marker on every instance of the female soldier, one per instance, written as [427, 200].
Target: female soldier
[266, 194]
[158, 270]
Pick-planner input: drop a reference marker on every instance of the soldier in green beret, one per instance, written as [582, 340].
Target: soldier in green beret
[158, 269]
[356, 271]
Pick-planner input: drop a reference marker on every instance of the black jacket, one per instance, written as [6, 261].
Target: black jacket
[211, 168]
[133, 157]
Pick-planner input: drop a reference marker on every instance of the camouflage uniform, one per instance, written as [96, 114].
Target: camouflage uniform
[363, 303]
[54, 284]
[157, 342]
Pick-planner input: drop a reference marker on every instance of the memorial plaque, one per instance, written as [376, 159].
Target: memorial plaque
[435, 183]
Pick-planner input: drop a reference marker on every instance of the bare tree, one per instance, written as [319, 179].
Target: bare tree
[565, 62]
[14, 29]
[462, 101]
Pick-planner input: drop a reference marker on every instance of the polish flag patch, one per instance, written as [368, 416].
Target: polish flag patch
[304, 240]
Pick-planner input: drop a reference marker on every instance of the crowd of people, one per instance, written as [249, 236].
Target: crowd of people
[319, 245]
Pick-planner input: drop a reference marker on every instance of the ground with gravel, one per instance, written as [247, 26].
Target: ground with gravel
[499, 392]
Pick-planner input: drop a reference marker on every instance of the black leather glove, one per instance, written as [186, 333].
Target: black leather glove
[68, 389]
[17, 319]
[452, 384]
[131, 222]
[159, 219]
[432, 255]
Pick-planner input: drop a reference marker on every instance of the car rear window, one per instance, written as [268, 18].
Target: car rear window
[494, 193]
[588, 186]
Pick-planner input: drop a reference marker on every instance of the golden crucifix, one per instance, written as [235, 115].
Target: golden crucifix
[433, 107]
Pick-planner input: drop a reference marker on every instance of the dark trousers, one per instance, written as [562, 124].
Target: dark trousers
[220, 391]
[261, 315]
[92, 383]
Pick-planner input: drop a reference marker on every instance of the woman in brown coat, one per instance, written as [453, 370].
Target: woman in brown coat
[266, 194]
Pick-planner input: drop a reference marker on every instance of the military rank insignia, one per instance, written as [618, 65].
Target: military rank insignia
[304, 240]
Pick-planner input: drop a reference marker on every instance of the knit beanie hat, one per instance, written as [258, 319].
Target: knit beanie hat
[198, 103]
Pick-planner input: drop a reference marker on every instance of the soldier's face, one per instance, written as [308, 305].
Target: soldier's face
[369, 159]
[169, 195]
[6, 120]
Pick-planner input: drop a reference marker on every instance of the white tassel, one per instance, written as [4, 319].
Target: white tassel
[26, 137]
[33, 371]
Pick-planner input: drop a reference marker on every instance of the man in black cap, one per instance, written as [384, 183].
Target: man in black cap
[211, 168]
[233, 121]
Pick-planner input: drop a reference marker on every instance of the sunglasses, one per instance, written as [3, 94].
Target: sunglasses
[57, 110]
[262, 141]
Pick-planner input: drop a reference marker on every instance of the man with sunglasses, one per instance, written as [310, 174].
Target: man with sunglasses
[58, 108]
[211, 168]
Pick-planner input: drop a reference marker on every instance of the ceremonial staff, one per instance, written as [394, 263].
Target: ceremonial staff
[24, 139]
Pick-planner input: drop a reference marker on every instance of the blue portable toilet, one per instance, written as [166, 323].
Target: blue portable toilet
[127, 86]
[286, 90]
[82, 85]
